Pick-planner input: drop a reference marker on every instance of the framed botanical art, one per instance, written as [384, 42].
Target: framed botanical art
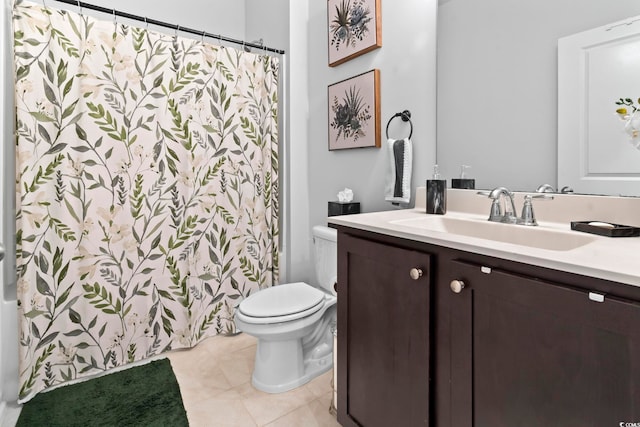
[354, 28]
[354, 112]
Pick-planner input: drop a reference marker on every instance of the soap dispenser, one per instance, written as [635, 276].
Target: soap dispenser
[436, 194]
[463, 182]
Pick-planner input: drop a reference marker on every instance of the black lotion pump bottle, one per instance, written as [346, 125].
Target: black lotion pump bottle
[463, 182]
[436, 194]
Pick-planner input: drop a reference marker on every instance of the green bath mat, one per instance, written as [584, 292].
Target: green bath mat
[146, 395]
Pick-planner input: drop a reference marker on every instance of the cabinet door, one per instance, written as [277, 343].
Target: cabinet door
[383, 334]
[526, 352]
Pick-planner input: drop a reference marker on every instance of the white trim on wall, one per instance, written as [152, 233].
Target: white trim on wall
[298, 196]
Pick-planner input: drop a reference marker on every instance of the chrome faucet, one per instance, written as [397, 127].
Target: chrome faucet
[508, 214]
[497, 214]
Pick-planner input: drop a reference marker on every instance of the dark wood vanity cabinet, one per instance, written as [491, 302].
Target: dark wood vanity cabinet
[383, 334]
[480, 341]
[531, 352]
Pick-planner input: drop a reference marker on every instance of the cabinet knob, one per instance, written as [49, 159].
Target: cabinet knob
[456, 286]
[415, 273]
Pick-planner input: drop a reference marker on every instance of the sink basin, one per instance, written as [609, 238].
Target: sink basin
[536, 237]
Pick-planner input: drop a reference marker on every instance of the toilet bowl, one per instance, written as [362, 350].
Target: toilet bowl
[293, 323]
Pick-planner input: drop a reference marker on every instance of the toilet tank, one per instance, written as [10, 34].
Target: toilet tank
[325, 244]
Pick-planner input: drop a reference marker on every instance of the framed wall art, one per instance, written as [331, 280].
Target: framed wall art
[354, 28]
[354, 112]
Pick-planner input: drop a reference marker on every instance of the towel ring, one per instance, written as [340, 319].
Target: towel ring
[406, 117]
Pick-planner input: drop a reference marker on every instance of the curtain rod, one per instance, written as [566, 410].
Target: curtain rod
[147, 21]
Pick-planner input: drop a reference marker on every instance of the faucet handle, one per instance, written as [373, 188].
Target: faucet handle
[544, 196]
[496, 214]
[528, 217]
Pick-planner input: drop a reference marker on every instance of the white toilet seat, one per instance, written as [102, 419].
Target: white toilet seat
[282, 303]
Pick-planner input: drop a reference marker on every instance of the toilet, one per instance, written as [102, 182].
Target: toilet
[294, 323]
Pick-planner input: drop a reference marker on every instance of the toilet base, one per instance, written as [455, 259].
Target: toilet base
[313, 369]
[280, 367]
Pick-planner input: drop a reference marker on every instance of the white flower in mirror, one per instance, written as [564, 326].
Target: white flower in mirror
[632, 120]
[632, 128]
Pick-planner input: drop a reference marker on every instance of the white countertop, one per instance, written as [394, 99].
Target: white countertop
[616, 259]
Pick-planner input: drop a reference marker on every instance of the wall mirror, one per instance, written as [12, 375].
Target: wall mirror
[498, 87]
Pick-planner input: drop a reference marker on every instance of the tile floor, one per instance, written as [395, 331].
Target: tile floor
[215, 382]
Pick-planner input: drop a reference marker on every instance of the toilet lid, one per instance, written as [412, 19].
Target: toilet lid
[282, 300]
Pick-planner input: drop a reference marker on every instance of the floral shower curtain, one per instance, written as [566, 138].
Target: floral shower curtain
[146, 191]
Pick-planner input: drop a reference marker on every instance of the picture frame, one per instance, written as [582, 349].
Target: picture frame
[354, 28]
[354, 112]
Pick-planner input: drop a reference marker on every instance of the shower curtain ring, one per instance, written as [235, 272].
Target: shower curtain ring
[80, 8]
[115, 20]
[146, 23]
[203, 34]
[177, 29]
